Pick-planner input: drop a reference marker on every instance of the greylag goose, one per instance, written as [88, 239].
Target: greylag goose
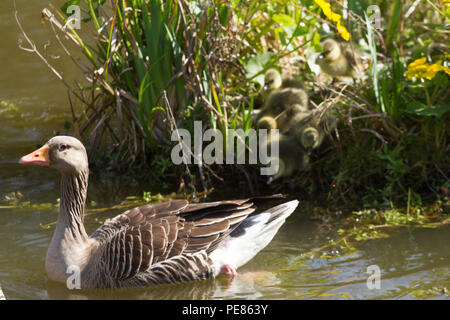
[339, 59]
[272, 82]
[168, 242]
[283, 98]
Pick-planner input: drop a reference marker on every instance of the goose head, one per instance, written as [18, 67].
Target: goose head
[64, 153]
[272, 80]
[331, 51]
[309, 138]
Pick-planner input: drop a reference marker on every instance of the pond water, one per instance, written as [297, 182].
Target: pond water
[414, 263]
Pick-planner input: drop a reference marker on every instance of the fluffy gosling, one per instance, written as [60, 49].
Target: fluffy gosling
[284, 95]
[267, 122]
[312, 133]
[291, 118]
[339, 60]
[282, 99]
[274, 81]
[291, 157]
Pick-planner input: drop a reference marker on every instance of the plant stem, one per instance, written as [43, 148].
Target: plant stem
[409, 202]
[427, 95]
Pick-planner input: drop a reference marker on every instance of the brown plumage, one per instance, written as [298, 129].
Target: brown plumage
[162, 231]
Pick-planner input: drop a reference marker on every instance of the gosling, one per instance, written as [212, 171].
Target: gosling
[284, 120]
[312, 133]
[339, 60]
[267, 122]
[281, 100]
[273, 81]
[311, 138]
[291, 157]
[283, 94]
[292, 118]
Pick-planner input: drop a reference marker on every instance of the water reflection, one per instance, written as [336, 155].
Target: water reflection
[244, 286]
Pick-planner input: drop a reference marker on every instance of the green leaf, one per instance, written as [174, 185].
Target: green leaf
[284, 20]
[301, 30]
[224, 14]
[420, 109]
[256, 64]
[316, 42]
[395, 14]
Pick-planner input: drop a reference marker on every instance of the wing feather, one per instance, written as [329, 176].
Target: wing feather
[135, 240]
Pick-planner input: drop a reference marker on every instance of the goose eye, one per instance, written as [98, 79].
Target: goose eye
[63, 147]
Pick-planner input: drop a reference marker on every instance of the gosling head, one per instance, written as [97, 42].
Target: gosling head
[267, 122]
[67, 154]
[272, 80]
[309, 138]
[331, 50]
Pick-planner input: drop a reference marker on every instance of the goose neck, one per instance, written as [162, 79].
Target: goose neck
[73, 198]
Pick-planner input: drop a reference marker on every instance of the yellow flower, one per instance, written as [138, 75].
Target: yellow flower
[432, 70]
[421, 69]
[417, 62]
[335, 17]
[446, 70]
[342, 31]
[417, 69]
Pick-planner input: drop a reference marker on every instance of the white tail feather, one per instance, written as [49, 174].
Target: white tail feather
[251, 236]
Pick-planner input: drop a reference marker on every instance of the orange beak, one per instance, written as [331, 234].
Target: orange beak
[39, 157]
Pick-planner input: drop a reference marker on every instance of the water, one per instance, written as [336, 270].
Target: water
[413, 262]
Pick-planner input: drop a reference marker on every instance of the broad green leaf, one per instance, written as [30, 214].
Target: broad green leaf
[256, 64]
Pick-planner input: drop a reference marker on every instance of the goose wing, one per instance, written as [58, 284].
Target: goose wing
[138, 238]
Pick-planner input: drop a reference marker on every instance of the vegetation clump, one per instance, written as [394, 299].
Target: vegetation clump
[154, 66]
